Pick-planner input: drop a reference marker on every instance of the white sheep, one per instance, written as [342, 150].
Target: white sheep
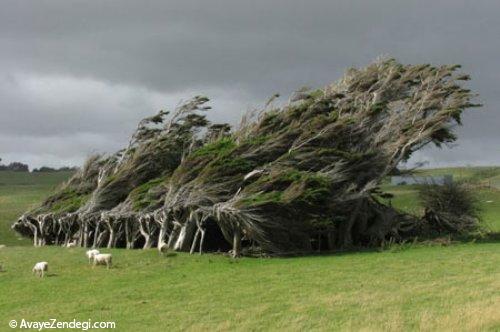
[91, 253]
[71, 244]
[102, 259]
[40, 268]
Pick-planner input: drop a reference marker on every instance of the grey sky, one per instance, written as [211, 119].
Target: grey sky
[76, 76]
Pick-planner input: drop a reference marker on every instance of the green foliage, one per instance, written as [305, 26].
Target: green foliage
[215, 149]
[346, 155]
[453, 199]
[271, 120]
[316, 94]
[294, 112]
[310, 189]
[263, 198]
[378, 107]
[143, 195]
[256, 140]
[318, 122]
[290, 175]
[355, 130]
[333, 115]
[288, 186]
[69, 201]
[230, 165]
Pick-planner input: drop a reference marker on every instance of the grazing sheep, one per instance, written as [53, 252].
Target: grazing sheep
[2, 246]
[40, 268]
[102, 259]
[71, 244]
[91, 253]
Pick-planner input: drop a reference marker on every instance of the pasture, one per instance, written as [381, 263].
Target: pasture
[18, 192]
[405, 287]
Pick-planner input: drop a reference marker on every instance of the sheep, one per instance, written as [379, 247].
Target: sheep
[40, 268]
[101, 259]
[71, 244]
[2, 246]
[91, 253]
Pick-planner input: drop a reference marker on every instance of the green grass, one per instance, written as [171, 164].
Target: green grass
[408, 287]
[450, 288]
[18, 192]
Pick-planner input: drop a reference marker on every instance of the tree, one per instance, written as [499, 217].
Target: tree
[450, 209]
[292, 179]
[15, 167]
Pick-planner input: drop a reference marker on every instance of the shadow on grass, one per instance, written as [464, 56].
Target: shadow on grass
[305, 254]
[104, 267]
[436, 241]
[47, 275]
[491, 237]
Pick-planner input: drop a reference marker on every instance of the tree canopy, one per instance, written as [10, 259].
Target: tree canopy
[291, 179]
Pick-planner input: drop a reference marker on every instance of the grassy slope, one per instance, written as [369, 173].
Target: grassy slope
[18, 192]
[449, 288]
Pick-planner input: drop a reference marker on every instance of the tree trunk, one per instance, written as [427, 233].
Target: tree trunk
[111, 239]
[128, 234]
[330, 239]
[58, 234]
[346, 228]
[148, 243]
[186, 235]
[195, 240]
[163, 232]
[101, 237]
[236, 243]
[66, 238]
[35, 236]
[96, 234]
[180, 238]
[146, 233]
[173, 235]
[85, 234]
[41, 235]
[202, 240]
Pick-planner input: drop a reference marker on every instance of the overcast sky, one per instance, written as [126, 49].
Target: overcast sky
[76, 76]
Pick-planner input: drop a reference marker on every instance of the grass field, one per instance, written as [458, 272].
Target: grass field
[408, 287]
[18, 192]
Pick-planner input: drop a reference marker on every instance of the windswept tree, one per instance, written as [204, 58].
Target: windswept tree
[309, 172]
[156, 149]
[290, 179]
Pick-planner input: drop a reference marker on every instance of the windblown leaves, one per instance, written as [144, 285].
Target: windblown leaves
[289, 176]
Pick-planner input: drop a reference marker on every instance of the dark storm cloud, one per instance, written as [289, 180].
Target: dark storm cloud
[75, 76]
